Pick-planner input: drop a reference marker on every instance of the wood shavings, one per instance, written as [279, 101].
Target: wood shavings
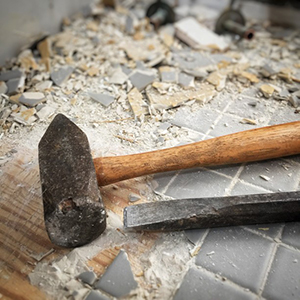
[248, 121]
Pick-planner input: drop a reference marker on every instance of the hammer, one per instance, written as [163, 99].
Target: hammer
[73, 209]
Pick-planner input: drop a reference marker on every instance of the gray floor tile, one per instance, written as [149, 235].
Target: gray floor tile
[219, 102]
[291, 234]
[251, 92]
[230, 124]
[270, 230]
[200, 284]
[241, 188]
[200, 120]
[229, 170]
[237, 254]
[249, 108]
[195, 235]
[160, 181]
[283, 282]
[198, 183]
[279, 177]
[284, 114]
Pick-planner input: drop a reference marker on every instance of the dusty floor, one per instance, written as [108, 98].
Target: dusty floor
[132, 89]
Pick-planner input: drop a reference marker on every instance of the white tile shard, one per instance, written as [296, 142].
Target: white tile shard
[190, 31]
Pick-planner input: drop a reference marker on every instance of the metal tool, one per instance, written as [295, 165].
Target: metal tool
[73, 210]
[232, 21]
[160, 13]
[213, 212]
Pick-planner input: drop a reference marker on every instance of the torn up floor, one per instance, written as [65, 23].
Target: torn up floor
[133, 89]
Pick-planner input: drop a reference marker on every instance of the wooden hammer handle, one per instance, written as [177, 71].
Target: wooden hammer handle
[245, 146]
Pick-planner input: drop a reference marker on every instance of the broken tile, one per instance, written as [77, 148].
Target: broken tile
[190, 31]
[32, 98]
[8, 75]
[88, 277]
[134, 197]
[25, 116]
[141, 79]
[118, 77]
[267, 90]
[138, 105]
[45, 113]
[96, 295]
[129, 27]
[104, 99]
[118, 279]
[61, 75]
[168, 74]
[250, 76]
[3, 87]
[203, 94]
[267, 71]
[294, 100]
[185, 80]
[14, 85]
[217, 79]
[44, 85]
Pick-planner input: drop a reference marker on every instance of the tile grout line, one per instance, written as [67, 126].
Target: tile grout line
[218, 118]
[271, 260]
[234, 180]
[230, 282]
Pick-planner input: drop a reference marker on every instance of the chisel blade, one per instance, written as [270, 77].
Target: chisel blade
[213, 212]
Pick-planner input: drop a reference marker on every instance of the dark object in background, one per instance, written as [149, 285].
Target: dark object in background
[232, 21]
[160, 13]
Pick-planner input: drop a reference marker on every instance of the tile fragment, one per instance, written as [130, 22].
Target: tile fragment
[168, 74]
[141, 79]
[217, 79]
[25, 116]
[14, 85]
[8, 75]
[3, 87]
[267, 90]
[43, 85]
[138, 105]
[61, 75]
[185, 80]
[190, 31]
[96, 295]
[88, 277]
[118, 77]
[118, 278]
[32, 98]
[104, 99]
[204, 93]
[45, 112]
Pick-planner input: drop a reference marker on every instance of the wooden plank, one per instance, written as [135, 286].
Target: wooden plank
[22, 232]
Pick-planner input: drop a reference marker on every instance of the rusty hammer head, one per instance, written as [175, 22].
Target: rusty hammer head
[73, 209]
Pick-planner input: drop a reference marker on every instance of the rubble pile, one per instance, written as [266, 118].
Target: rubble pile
[110, 63]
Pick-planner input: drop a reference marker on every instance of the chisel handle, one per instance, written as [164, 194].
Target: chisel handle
[245, 146]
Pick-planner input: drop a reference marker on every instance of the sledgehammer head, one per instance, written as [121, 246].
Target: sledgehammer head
[73, 209]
